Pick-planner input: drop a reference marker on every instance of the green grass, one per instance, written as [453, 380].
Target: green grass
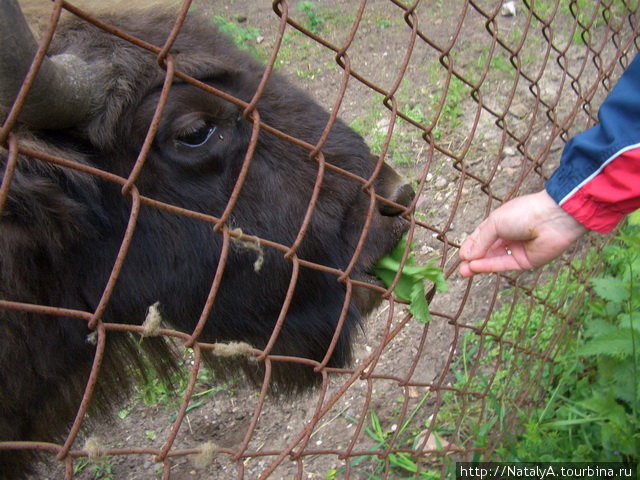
[101, 469]
[314, 19]
[401, 464]
[591, 409]
[593, 414]
[244, 37]
[156, 391]
[493, 368]
[583, 11]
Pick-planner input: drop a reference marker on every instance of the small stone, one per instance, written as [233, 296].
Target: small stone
[508, 9]
[509, 151]
[513, 161]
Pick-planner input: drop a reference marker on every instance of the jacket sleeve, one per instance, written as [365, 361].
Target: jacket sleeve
[598, 180]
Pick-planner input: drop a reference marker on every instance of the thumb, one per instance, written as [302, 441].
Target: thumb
[480, 241]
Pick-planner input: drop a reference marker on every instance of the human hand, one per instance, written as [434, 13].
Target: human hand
[525, 232]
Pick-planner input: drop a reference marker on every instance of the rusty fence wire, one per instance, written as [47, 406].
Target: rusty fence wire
[472, 101]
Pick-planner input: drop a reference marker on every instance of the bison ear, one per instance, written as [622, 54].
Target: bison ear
[38, 208]
[49, 204]
[211, 70]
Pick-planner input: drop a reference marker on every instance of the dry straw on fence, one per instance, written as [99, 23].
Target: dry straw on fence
[472, 101]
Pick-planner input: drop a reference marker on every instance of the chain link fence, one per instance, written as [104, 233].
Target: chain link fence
[472, 101]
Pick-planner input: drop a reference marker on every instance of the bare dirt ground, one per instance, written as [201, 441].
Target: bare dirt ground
[417, 354]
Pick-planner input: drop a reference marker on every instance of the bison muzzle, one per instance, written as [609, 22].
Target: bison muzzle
[62, 225]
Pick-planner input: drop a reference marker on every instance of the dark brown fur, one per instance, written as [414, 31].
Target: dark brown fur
[60, 230]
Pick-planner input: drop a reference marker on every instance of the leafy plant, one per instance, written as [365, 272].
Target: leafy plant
[411, 279]
[451, 113]
[514, 347]
[593, 413]
[315, 20]
[244, 37]
[401, 463]
[310, 73]
[153, 390]
[102, 469]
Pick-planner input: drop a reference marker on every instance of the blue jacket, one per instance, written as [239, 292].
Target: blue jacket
[598, 180]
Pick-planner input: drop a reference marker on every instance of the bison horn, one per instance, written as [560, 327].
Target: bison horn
[60, 95]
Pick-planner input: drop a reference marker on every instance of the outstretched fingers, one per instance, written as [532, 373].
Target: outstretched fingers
[500, 257]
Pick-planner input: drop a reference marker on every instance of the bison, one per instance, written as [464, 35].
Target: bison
[69, 205]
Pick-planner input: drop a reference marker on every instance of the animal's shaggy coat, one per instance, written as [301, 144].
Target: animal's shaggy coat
[61, 229]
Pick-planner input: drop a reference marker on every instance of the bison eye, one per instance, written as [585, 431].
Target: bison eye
[196, 136]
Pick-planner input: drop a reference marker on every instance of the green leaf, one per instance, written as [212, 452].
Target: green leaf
[418, 305]
[634, 218]
[617, 342]
[605, 405]
[630, 239]
[611, 288]
[632, 319]
[376, 427]
[410, 286]
[618, 376]
[597, 328]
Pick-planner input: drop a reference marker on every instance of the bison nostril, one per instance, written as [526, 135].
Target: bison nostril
[391, 186]
[402, 195]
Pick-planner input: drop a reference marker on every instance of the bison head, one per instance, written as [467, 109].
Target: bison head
[212, 170]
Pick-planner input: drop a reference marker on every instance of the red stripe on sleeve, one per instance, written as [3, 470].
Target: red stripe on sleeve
[604, 200]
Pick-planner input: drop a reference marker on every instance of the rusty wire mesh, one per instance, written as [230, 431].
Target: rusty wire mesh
[471, 103]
